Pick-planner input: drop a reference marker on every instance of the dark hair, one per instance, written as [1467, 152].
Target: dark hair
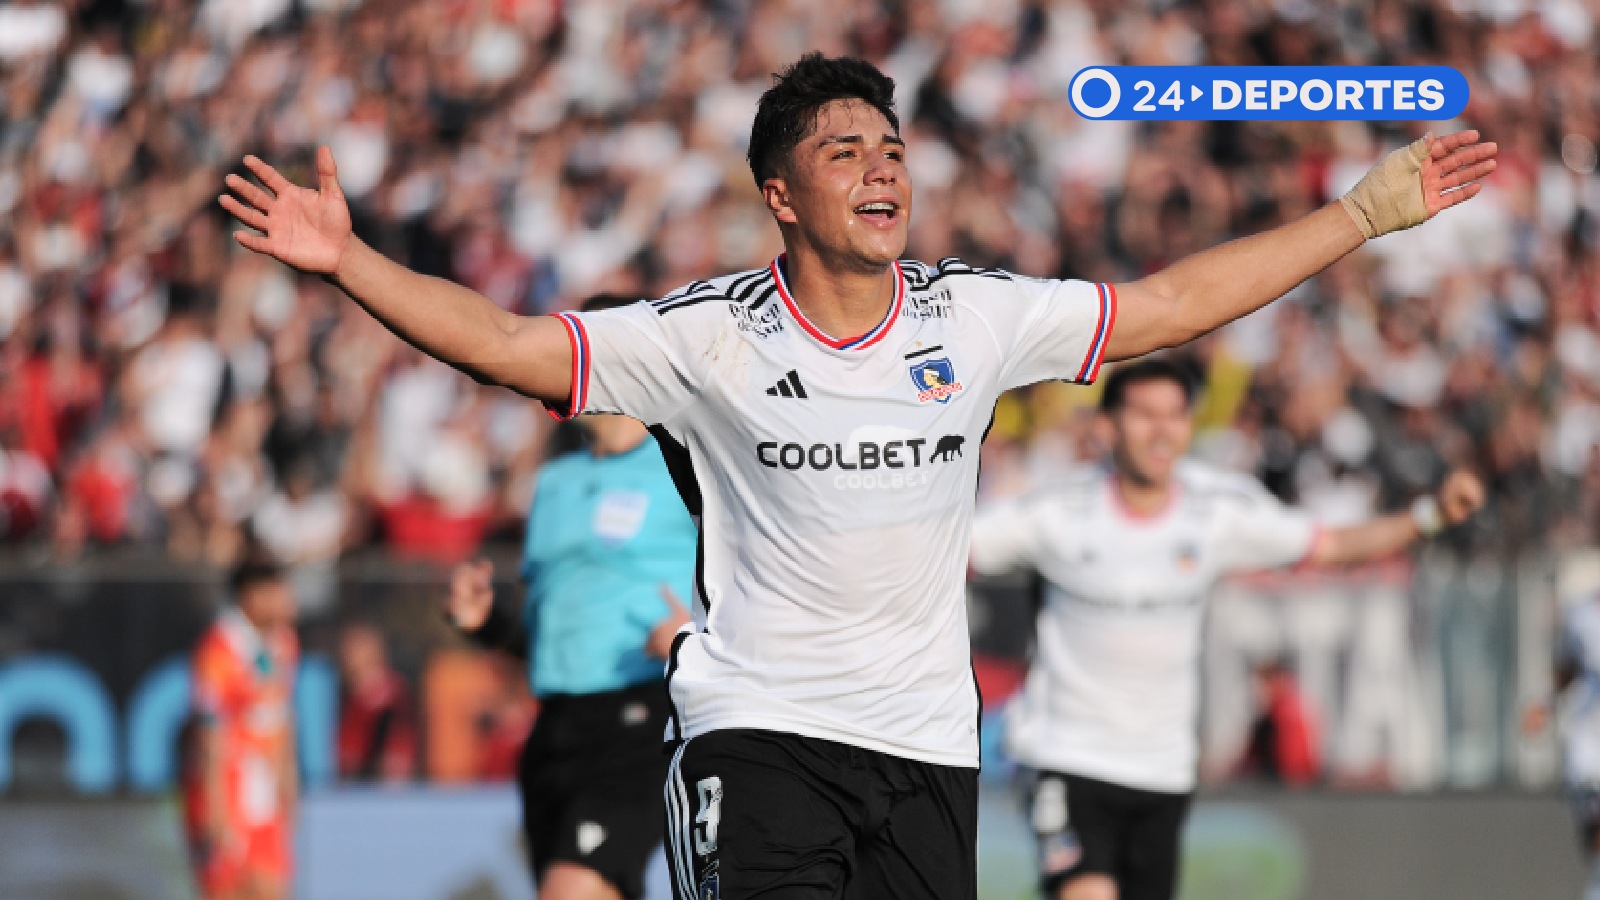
[788, 110]
[606, 301]
[252, 570]
[1157, 368]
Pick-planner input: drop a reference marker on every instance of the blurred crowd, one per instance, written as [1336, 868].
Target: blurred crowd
[163, 389]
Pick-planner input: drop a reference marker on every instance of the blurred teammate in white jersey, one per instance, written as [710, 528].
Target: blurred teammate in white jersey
[1128, 552]
[1578, 674]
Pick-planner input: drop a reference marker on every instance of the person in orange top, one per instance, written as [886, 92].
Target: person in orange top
[241, 790]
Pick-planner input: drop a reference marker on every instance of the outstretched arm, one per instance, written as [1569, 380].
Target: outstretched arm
[1459, 497]
[310, 230]
[1209, 289]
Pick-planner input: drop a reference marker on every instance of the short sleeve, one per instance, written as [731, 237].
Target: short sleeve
[1005, 537]
[1258, 531]
[622, 363]
[1061, 331]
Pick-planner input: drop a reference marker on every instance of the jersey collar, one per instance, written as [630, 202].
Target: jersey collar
[1133, 516]
[246, 640]
[856, 343]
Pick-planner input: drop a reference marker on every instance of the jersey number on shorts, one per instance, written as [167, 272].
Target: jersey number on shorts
[705, 824]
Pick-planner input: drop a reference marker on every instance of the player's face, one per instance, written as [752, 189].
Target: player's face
[1151, 431]
[268, 604]
[846, 190]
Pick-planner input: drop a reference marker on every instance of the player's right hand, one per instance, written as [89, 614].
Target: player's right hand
[471, 595]
[305, 228]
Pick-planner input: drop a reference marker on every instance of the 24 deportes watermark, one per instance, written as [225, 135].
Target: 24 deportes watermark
[1288, 93]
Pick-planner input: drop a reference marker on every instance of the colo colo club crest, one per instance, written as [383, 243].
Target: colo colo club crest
[935, 380]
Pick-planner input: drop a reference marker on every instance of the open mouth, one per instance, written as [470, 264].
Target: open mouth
[879, 212]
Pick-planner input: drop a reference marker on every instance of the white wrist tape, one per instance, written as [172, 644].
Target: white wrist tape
[1389, 197]
[1425, 512]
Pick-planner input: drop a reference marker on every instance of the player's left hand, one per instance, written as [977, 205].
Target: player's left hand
[1418, 181]
[1455, 168]
[1460, 496]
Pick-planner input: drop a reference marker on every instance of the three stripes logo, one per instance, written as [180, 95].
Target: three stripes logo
[788, 386]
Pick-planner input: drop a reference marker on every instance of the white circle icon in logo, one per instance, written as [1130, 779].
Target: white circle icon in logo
[1104, 109]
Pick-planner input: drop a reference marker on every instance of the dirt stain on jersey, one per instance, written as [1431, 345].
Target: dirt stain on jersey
[728, 356]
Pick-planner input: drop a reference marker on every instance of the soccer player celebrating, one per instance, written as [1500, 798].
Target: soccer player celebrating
[609, 549]
[1128, 553]
[825, 713]
[241, 787]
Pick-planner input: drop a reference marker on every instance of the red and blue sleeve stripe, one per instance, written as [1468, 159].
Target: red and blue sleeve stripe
[1090, 370]
[578, 337]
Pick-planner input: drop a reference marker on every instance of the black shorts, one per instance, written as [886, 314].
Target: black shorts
[590, 780]
[1085, 827]
[783, 817]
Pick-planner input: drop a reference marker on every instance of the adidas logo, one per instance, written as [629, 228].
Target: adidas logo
[788, 386]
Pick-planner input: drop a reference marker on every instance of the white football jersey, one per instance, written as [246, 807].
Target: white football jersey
[1579, 648]
[1114, 689]
[833, 482]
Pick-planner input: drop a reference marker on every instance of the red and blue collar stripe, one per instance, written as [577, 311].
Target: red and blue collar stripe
[856, 343]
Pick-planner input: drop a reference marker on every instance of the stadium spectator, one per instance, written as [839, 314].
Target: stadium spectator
[377, 721]
[24, 487]
[504, 724]
[1283, 739]
[478, 711]
[304, 525]
[31, 29]
[537, 151]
